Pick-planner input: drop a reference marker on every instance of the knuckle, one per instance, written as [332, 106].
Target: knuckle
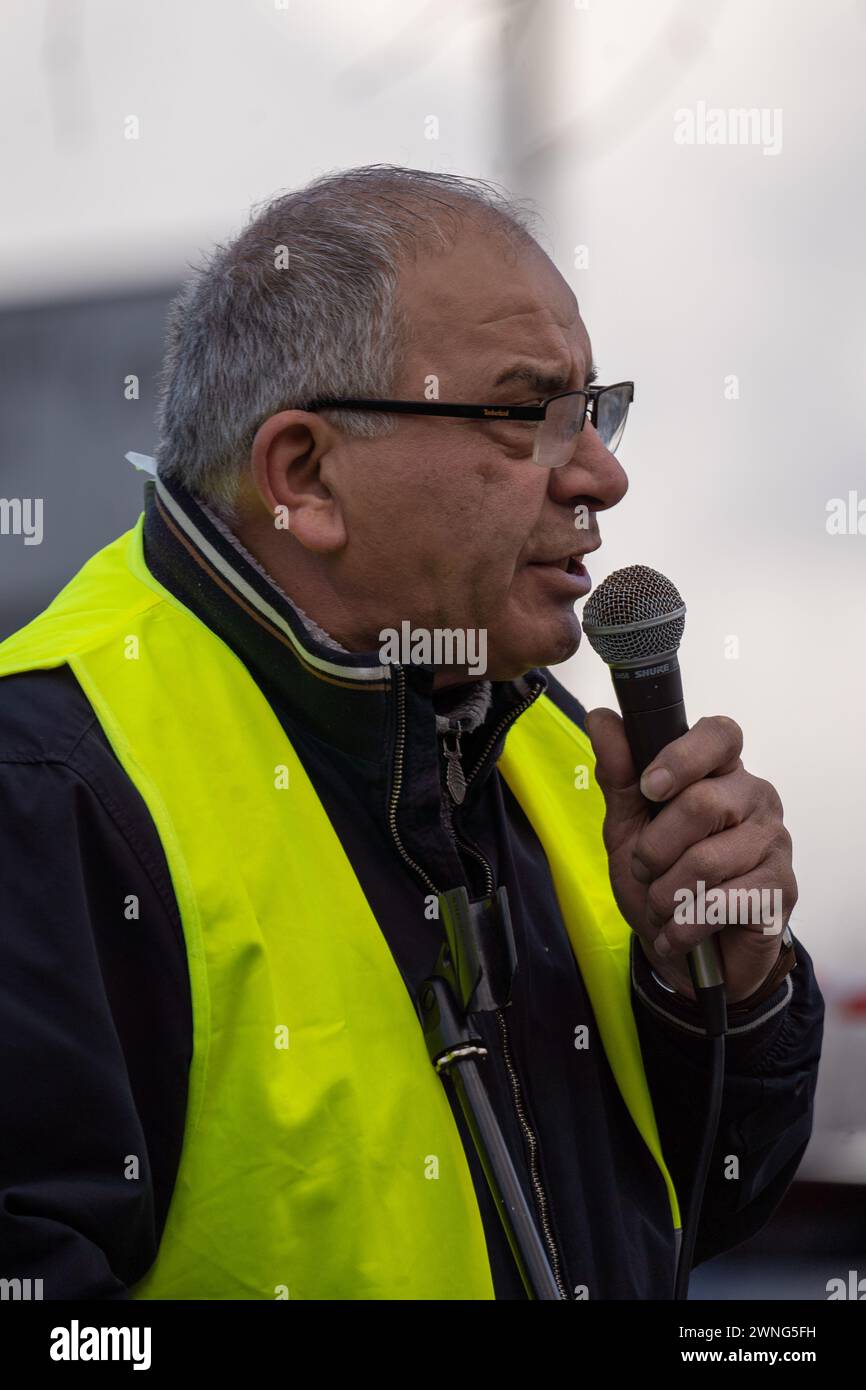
[704, 802]
[649, 855]
[778, 867]
[707, 862]
[726, 729]
[769, 798]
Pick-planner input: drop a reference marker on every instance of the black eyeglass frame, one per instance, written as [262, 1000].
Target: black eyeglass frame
[457, 410]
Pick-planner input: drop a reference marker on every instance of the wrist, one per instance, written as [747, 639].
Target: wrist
[751, 1023]
[781, 967]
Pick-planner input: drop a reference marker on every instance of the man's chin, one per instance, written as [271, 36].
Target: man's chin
[511, 655]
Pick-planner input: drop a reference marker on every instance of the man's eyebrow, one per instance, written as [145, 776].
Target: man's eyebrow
[546, 383]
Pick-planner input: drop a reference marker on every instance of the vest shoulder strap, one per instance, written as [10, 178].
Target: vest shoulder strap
[549, 764]
[90, 611]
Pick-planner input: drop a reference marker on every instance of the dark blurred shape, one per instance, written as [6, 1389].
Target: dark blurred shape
[65, 426]
[817, 1233]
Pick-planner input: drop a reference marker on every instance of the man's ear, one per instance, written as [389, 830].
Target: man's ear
[286, 461]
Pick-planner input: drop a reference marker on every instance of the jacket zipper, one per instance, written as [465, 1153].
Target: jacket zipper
[500, 729]
[397, 783]
[530, 1137]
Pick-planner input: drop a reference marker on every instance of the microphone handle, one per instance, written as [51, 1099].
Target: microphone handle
[654, 714]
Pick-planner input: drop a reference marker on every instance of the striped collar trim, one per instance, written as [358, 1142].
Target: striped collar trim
[228, 562]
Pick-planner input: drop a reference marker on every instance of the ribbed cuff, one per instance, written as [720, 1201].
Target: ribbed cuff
[746, 1030]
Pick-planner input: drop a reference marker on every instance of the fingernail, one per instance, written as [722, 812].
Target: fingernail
[656, 784]
[662, 945]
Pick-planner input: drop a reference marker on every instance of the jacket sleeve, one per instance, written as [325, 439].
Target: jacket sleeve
[771, 1071]
[76, 1191]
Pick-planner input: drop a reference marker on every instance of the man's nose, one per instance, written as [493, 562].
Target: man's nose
[592, 473]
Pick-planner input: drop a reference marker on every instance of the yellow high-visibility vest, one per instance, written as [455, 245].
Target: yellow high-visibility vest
[320, 1156]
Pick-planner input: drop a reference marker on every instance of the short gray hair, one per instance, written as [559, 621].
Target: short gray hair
[248, 337]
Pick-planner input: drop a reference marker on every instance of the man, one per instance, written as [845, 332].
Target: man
[229, 815]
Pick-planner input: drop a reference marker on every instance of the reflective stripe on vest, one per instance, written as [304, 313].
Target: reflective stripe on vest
[320, 1156]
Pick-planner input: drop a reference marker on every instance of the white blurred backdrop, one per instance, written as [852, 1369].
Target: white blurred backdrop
[726, 279]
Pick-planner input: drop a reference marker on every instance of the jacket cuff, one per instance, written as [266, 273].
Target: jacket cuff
[747, 1031]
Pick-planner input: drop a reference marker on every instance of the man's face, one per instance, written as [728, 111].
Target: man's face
[447, 520]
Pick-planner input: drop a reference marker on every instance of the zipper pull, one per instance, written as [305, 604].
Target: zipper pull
[454, 778]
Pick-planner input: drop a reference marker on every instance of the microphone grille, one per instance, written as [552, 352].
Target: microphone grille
[634, 614]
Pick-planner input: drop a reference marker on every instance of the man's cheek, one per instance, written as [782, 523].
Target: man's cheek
[495, 586]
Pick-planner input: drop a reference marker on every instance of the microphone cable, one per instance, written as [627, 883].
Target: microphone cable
[702, 1166]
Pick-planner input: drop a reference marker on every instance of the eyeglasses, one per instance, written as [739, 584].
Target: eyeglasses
[558, 419]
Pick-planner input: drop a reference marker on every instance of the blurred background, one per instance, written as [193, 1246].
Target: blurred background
[718, 261]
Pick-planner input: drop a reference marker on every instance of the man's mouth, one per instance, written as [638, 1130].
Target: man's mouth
[572, 564]
[574, 575]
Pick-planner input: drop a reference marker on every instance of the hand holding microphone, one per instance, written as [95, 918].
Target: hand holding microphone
[710, 821]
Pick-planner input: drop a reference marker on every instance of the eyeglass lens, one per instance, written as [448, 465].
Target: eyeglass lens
[557, 432]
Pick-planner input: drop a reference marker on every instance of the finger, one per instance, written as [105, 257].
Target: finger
[711, 747]
[615, 771]
[702, 810]
[760, 901]
[725, 858]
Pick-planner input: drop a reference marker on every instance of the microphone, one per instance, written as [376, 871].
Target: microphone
[635, 620]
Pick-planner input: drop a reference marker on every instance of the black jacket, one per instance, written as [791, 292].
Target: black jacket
[95, 1013]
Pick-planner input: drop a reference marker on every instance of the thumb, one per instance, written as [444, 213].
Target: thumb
[615, 771]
